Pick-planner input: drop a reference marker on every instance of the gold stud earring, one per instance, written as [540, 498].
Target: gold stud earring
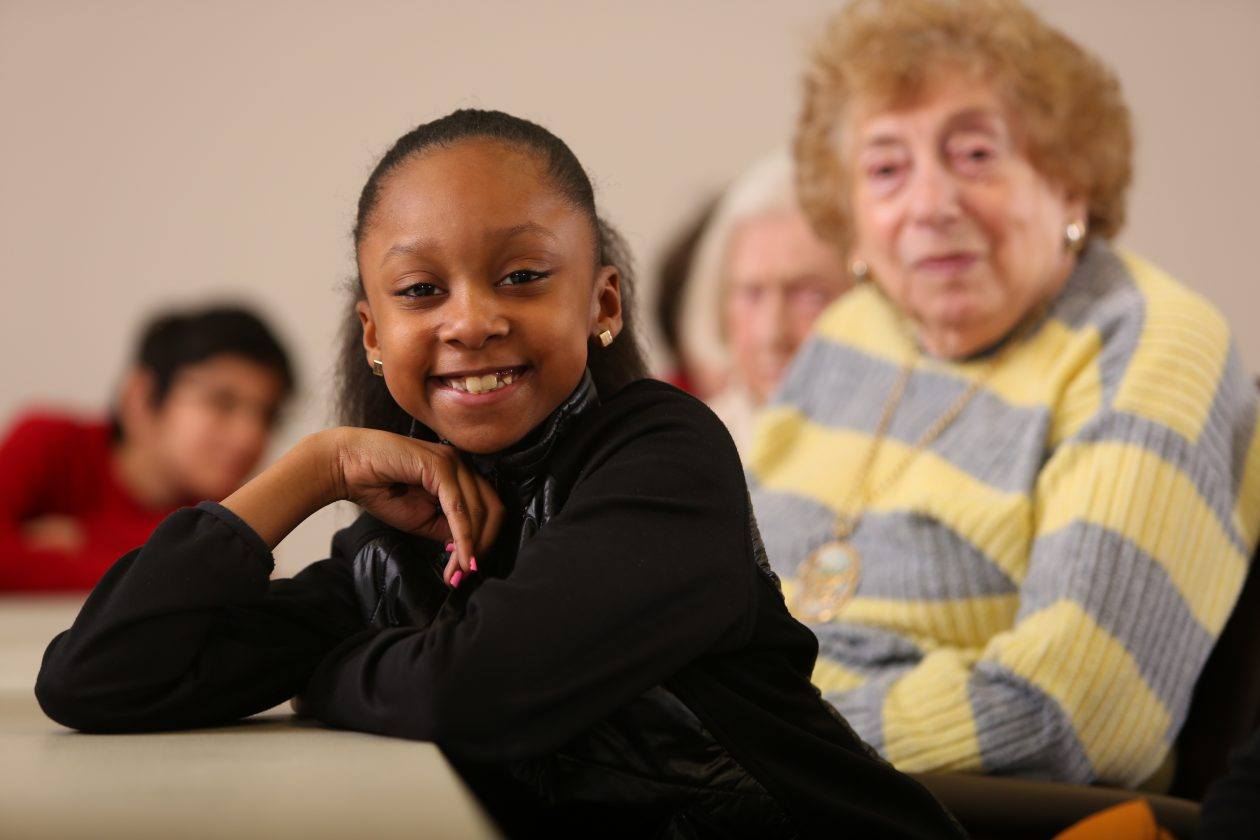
[1074, 236]
[378, 367]
[606, 338]
[859, 270]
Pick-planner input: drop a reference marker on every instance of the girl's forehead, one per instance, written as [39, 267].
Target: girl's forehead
[473, 165]
[468, 198]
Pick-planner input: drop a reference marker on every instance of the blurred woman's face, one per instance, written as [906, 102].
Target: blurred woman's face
[957, 227]
[779, 277]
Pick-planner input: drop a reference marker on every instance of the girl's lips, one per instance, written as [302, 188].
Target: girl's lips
[471, 400]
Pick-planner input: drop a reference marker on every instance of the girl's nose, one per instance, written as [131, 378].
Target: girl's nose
[473, 318]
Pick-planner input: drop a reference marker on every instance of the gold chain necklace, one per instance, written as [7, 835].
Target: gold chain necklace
[828, 578]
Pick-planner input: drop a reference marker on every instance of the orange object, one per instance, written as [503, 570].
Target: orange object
[1128, 821]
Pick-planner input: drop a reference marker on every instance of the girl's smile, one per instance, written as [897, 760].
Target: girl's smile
[487, 386]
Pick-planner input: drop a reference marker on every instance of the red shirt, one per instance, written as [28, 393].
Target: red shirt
[51, 464]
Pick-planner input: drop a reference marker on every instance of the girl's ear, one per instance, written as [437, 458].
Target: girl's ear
[370, 347]
[606, 302]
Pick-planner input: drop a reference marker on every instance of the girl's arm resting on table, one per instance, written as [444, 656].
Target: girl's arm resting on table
[187, 630]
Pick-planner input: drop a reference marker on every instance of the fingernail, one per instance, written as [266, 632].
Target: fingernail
[472, 563]
[450, 546]
[456, 578]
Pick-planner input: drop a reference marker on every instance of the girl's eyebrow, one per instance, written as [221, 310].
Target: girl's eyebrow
[420, 243]
[413, 246]
[526, 227]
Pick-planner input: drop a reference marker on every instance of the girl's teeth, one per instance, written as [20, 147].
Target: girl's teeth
[482, 384]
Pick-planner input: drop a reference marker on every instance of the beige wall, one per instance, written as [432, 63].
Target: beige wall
[160, 152]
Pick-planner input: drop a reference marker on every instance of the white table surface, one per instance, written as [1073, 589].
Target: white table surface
[270, 776]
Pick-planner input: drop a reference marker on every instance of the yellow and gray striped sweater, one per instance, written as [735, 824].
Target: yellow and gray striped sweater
[1043, 584]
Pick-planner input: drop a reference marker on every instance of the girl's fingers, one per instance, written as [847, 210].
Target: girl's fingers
[476, 506]
[455, 509]
[470, 508]
[452, 566]
[486, 513]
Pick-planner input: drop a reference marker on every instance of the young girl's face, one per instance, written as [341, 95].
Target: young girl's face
[483, 292]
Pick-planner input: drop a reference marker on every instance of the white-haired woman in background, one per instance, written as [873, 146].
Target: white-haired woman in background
[760, 277]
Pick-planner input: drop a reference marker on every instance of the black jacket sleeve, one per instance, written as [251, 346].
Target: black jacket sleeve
[188, 631]
[646, 568]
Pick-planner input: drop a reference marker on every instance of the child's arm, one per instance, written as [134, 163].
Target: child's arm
[188, 631]
[415, 486]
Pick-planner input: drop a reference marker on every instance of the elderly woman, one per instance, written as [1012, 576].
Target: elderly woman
[759, 279]
[1011, 480]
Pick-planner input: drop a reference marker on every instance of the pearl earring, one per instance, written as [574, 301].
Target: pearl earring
[1074, 236]
[860, 270]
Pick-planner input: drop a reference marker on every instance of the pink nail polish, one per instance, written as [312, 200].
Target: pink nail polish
[456, 578]
[450, 546]
[472, 563]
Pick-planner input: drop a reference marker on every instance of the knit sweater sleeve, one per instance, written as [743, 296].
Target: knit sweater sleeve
[1144, 517]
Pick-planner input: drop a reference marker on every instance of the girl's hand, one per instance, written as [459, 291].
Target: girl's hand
[418, 487]
[421, 488]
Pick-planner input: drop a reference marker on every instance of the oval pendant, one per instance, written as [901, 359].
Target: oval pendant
[826, 581]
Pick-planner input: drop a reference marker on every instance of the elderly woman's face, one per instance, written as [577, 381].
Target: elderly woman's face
[957, 227]
[779, 278]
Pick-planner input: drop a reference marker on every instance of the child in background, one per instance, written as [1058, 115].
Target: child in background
[557, 577]
[193, 418]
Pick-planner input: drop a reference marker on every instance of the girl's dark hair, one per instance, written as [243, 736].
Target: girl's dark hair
[172, 341]
[363, 400]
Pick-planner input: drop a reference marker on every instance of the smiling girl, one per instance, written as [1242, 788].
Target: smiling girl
[557, 577]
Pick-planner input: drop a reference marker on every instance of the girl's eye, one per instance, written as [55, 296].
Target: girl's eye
[524, 275]
[419, 290]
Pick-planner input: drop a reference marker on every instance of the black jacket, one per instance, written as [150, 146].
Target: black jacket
[624, 659]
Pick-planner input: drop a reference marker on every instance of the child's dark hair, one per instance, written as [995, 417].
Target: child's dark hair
[363, 400]
[172, 341]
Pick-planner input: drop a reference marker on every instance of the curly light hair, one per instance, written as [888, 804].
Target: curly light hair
[1066, 106]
